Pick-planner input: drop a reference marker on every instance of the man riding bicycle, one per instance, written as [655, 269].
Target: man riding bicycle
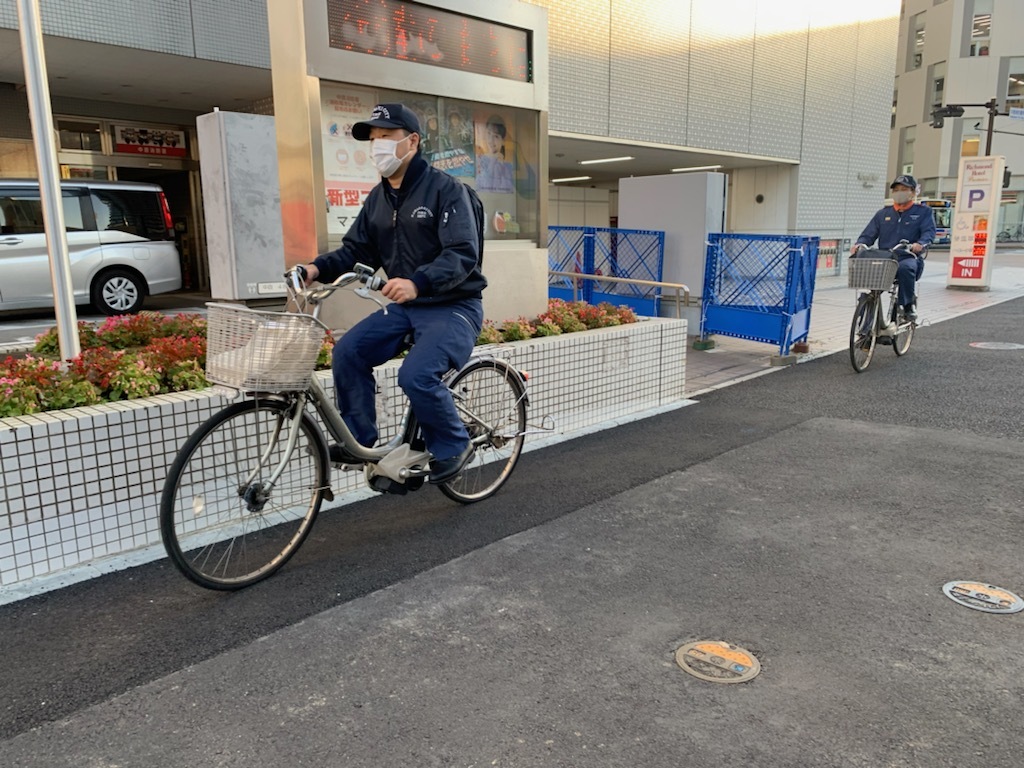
[903, 220]
[418, 224]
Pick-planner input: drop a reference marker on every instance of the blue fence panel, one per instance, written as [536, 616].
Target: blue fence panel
[627, 253]
[759, 287]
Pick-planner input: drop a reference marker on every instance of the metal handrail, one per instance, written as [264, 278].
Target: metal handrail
[676, 287]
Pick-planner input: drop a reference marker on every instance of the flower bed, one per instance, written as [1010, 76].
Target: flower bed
[133, 356]
[80, 487]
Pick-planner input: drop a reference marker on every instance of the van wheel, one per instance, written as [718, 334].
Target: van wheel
[118, 292]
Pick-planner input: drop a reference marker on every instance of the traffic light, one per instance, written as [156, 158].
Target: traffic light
[950, 110]
[1006, 178]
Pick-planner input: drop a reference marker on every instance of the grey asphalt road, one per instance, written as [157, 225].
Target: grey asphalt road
[811, 516]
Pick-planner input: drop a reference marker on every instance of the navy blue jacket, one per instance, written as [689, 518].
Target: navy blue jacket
[889, 226]
[426, 233]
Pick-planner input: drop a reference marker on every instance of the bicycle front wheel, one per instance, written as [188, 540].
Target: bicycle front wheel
[492, 401]
[224, 521]
[904, 330]
[862, 332]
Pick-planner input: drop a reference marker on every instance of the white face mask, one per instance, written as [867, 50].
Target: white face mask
[902, 196]
[382, 152]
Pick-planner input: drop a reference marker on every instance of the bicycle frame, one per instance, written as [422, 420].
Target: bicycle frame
[402, 467]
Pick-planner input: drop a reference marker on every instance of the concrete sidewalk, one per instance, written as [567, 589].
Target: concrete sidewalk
[733, 360]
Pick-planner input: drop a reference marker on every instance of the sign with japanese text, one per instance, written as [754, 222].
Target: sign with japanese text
[156, 142]
[349, 174]
[972, 239]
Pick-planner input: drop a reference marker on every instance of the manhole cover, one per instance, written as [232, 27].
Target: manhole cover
[983, 597]
[718, 662]
[1004, 345]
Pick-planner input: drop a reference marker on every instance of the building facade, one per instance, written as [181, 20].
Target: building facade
[960, 52]
[791, 100]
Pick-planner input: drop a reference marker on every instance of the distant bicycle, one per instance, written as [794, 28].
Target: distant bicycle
[874, 272]
[245, 488]
[1016, 236]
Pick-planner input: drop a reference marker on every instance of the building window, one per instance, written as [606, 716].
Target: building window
[969, 146]
[936, 88]
[915, 43]
[907, 149]
[1015, 84]
[981, 27]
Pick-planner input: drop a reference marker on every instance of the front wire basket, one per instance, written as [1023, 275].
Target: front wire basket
[258, 351]
[872, 274]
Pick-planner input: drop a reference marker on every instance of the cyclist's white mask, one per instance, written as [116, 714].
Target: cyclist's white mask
[382, 151]
[902, 196]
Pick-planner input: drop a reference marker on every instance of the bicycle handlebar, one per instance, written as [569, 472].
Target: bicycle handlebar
[298, 292]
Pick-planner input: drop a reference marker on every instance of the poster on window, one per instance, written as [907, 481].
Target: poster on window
[495, 153]
[349, 174]
[158, 142]
[446, 136]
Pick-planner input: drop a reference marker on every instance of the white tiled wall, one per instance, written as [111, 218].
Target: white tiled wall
[84, 484]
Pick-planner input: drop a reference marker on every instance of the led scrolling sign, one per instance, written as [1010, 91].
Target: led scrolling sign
[425, 35]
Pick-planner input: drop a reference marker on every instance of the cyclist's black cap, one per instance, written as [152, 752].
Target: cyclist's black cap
[904, 180]
[386, 116]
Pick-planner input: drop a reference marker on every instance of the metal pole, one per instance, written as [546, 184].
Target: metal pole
[38, 89]
[993, 110]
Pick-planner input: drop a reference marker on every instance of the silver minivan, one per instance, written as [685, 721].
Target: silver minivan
[120, 242]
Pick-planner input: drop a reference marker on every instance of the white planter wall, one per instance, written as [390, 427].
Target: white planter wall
[83, 485]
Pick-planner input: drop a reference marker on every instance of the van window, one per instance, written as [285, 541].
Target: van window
[137, 213]
[21, 211]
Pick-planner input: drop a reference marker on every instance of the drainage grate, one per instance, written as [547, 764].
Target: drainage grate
[718, 662]
[983, 597]
[999, 345]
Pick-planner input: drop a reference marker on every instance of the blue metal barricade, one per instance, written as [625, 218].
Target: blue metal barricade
[759, 287]
[629, 253]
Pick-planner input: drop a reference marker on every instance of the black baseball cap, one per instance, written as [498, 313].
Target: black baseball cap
[386, 116]
[905, 181]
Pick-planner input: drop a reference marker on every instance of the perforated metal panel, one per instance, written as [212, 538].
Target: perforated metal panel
[721, 74]
[650, 71]
[234, 31]
[578, 34]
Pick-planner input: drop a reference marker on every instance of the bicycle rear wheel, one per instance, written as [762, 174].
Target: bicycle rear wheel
[492, 401]
[862, 332]
[222, 523]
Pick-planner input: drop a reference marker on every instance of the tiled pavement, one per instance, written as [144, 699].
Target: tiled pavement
[734, 360]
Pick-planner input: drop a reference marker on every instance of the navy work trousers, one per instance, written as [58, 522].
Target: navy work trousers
[907, 275]
[443, 337]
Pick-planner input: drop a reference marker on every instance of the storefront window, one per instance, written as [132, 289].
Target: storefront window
[493, 149]
[79, 135]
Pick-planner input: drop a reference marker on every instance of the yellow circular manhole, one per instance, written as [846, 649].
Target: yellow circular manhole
[718, 662]
[983, 597]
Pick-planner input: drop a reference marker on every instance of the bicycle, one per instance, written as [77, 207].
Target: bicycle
[244, 490]
[875, 276]
[1007, 236]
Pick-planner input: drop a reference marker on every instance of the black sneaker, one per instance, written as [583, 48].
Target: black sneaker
[339, 455]
[441, 471]
[910, 312]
